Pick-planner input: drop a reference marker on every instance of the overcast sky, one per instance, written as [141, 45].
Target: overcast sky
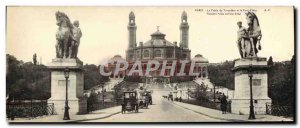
[32, 30]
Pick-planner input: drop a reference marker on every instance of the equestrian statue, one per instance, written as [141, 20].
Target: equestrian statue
[249, 39]
[67, 36]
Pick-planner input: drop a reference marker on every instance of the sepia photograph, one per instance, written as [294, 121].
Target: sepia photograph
[150, 64]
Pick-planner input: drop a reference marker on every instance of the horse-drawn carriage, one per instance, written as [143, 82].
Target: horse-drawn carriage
[130, 102]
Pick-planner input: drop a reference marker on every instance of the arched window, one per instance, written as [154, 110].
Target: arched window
[146, 53]
[137, 54]
[157, 53]
[204, 69]
[170, 53]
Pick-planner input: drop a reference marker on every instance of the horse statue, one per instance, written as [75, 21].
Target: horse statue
[252, 37]
[64, 36]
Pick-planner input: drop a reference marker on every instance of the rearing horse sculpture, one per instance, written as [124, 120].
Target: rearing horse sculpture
[64, 36]
[253, 36]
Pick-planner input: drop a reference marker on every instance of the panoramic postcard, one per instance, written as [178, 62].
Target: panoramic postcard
[146, 64]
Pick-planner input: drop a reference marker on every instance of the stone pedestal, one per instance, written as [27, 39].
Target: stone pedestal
[77, 102]
[241, 98]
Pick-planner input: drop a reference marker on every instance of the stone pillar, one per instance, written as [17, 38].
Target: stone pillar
[241, 99]
[76, 99]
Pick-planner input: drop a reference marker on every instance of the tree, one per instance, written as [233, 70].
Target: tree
[270, 61]
[12, 73]
[201, 92]
[270, 72]
[26, 80]
[282, 82]
[34, 59]
[221, 74]
[92, 76]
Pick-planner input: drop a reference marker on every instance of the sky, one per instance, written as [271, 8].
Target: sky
[32, 30]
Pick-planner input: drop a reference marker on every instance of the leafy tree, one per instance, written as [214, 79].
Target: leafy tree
[92, 76]
[201, 92]
[221, 74]
[26, 80]
[270, 61]
[34, 59]
[282, 82]
[12, 73]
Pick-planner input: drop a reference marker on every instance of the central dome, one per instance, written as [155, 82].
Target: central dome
[200, 58]
[117, 58]
[158, 35]
[158, 39]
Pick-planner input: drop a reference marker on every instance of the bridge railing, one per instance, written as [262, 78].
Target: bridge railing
[208, 104]
[279, 110]
[100, 105]
[26, 109]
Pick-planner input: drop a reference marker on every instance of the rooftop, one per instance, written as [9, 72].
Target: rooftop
[158, 39]
[200, 58]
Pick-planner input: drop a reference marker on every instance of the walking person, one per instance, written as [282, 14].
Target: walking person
[223, 100]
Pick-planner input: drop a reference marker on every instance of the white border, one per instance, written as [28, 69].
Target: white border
[5, 3]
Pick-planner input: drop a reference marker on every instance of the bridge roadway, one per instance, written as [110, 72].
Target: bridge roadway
[162, 110]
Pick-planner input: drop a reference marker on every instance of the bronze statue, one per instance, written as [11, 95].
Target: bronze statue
[77, 35]
[248, 41]
[67, 36]
[242, 34]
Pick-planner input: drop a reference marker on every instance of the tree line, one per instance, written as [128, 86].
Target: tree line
[28, 80]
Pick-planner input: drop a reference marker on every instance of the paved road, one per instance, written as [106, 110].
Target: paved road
[161, 111]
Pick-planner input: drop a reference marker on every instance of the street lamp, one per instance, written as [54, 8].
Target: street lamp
[102, 94]
[214, 93]
[66, 114]
[250, 74]
[188, 94]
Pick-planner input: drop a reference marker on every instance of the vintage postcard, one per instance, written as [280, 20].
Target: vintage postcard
[73, 64]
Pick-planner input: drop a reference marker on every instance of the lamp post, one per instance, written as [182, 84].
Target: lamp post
[214, 93]
[188, 94]
[66, 114]
[102, 94]
[250, 74]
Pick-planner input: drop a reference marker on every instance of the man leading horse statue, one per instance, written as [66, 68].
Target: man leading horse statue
[67, 36]
[249, 38]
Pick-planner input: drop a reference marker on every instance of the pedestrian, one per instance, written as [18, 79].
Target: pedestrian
[223, 100]
[170, 96]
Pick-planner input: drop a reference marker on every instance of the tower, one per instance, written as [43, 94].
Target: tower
[131, 36]
[184, 31]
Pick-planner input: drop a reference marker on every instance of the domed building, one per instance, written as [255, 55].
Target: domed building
[158, 48]
[201, 64]
[111, 67]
